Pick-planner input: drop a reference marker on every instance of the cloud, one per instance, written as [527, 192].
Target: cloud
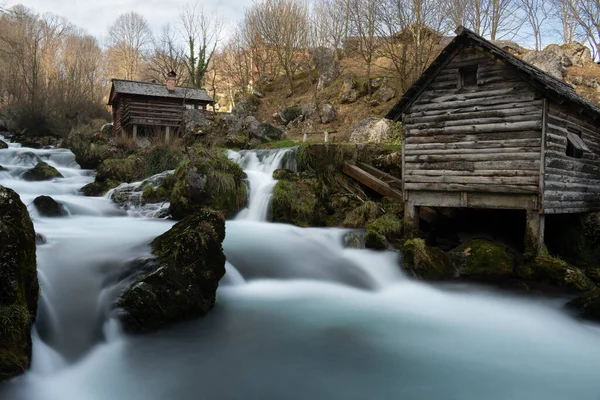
[95, 16]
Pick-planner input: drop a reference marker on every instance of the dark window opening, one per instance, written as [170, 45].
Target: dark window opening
[468, 76]
[576, 147]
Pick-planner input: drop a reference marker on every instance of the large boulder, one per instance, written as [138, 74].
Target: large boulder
[483, 259]
[212, 181]
[41, 172]
[48, 207]
[382, 95]
[196, 121]
[327, 113]
[383, 232]
[19, 287]
[90, 147]
[118, 169]
[349, 92]
[246, 106]
[577, 54]
[326, 66]
[180, 283]
[370, 130]
[99, 188]
[556, 272]
[260, 131]
[3, 145]
[294, 201]
[550, 60]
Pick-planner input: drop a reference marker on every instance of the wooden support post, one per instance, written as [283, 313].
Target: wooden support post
[534, 235]
[135, 132]
[305, 137]
[326, 139]
[167, 133]
[411, 219]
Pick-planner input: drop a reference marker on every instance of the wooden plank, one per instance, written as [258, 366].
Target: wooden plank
[472, 137]
[541, 182]
[482, 128]
[492, 180]
[443, 122]
[478, 107]
[525, 110]
[480, 172]
[371, 181]
[473, 150]
[477, 144]
[474, 157]
[485, 188]
[476, 165]
[474, 102]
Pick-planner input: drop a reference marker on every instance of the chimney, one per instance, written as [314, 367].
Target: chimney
[171, 81]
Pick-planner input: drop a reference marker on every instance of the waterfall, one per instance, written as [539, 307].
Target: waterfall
[259, 166]
[298, 315]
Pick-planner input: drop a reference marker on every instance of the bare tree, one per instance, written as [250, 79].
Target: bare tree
[202, 32]
[281, 25]
[491, 18]
[129, 36]
[328, 23]
[586, 13]
[536, 13]
[568, 23]
[166, 56]
[364, 16]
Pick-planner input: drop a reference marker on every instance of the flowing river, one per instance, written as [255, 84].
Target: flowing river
[298, 316]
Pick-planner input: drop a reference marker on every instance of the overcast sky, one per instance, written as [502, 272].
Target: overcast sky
[95, 16]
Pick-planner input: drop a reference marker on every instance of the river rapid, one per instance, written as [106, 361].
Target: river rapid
[298, 316]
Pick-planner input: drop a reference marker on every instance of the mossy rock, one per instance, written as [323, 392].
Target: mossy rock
[41, 172]
[212, 181]
[593, 274]
[3, 145]
[294, 202]
[483, 259]
[48, 207]
[19, 287]
[118, 169]
[559, 273]
[425, 262]
[385, 230]
[181, 282]
[367, 212]
[99, 188]
[290, 114]
[588, 304]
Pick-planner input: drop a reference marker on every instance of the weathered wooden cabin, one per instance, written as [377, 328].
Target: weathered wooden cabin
[484, 129]
[152, 107]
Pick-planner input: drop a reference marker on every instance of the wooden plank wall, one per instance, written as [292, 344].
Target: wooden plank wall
[485, 138]
[571, 185]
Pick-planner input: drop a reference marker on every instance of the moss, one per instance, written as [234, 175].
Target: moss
[593, 274]
[294, 203]
[559, 273]
[99, 188]
[277, 144]
[19, 287]
[362, 215]
[588, 304]
[41, 172]
[385, 229]
[160, 194]
[118, 169]
[481, 258]
[281, 173]
[209, 180]
[425, 262]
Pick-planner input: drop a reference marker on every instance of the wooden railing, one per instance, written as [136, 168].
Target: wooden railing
[163, 114]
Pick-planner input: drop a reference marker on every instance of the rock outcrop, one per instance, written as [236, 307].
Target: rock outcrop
[326, 66]
[370, 130]
[588, 304]
[41, 172]
[48, 207]
[327, 113]
[180, 283]
[210, 180]
[349, 91]
[19, 287]
[548, 61]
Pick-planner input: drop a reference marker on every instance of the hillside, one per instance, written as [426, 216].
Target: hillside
[574, 62]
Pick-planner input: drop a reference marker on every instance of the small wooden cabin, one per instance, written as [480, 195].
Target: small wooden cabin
[151, 106]
[484, 129]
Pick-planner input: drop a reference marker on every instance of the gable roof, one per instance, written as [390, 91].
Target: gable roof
[555, 89]
[121, 86]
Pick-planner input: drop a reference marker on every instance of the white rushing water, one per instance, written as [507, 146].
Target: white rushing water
[298, 317]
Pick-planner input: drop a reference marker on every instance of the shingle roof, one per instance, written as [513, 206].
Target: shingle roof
[157, 90]
[555, 89]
